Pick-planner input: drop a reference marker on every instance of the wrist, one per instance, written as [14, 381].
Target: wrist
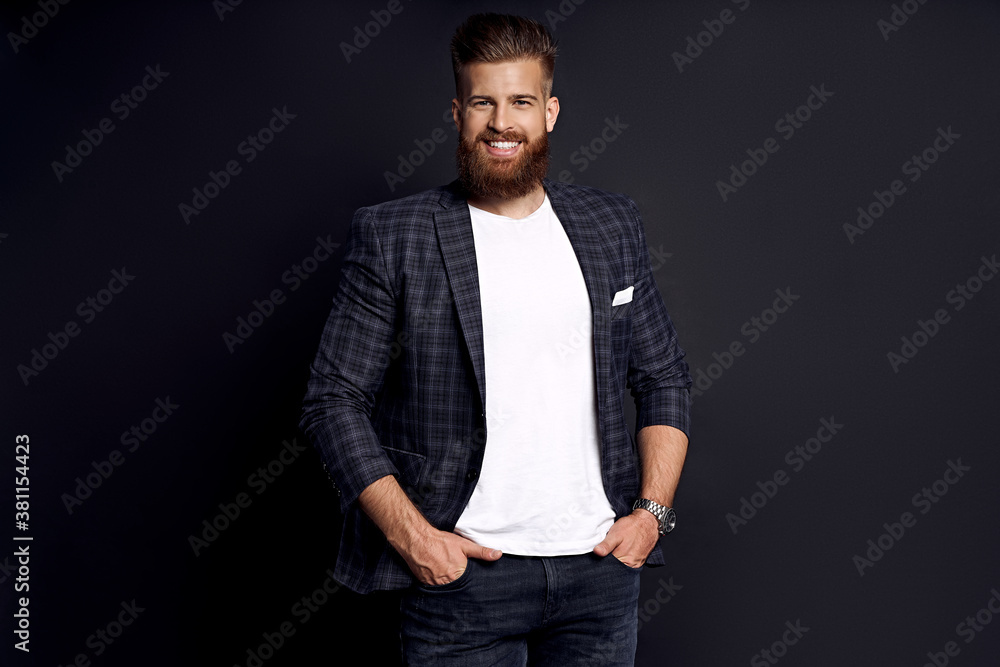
[647, 518]
[410, 533]
[665, 516]
[402, 524]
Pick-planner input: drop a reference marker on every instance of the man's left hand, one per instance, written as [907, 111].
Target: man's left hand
[631, 538]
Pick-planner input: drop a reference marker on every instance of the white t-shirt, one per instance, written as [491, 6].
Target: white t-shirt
[539, 492]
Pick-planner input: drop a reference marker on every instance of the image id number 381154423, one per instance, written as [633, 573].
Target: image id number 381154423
[21, 518]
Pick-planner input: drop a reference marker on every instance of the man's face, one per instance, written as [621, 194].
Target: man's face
[503, 121]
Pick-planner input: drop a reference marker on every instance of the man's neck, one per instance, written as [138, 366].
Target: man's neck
[520, 207]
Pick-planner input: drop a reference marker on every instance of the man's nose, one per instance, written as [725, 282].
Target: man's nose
[501, 119]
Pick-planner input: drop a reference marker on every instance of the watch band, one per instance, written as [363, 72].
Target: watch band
[666, 516]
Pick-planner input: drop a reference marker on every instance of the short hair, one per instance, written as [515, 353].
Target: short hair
[496, 38]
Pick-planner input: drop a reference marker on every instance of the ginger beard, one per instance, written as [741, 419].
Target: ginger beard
[490, 176]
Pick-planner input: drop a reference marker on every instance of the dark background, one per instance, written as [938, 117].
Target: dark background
[718, 264]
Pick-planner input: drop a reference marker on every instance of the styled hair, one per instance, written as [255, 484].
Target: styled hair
[496, 38]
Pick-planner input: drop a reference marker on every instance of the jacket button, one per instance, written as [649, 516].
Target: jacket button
[471, 475]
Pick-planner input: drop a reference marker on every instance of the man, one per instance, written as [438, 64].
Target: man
[467, 396]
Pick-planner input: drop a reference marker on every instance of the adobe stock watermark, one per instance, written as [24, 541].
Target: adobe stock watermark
[914, 168]
[302, 611]
[588, 153]
[122, 107]
[958, 297]
[608, 650]
[658, 257]
[258, 481]
[651, 606]
[562, 12]
[753, 329]
[249, 149]
[779, 648]
[786, 125]
[796, 458]
[362, 38]
[105, 636]
[223, 7]
[968, 629]
[417, 320]
[924, 500]
[131, 440]
[264, 308]
[425, 148]
[714, 28]
[901, 13]
[31, 24]
[572, 513]
[23, 585]
[575, 340]
[431, 481]
[88, 310]
[7, 569]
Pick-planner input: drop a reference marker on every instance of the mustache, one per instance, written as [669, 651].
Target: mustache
[492, 135]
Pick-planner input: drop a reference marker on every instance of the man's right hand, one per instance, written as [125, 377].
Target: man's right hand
[434, 556]
[438, 557]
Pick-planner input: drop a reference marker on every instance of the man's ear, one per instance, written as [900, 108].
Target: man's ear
[551, 113]
[456, 114]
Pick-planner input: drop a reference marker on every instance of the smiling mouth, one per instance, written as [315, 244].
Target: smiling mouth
[503, 145]
[503, 149]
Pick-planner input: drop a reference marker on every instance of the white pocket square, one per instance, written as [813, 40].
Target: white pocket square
[623, 296]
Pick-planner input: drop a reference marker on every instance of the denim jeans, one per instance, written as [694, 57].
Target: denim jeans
[525, 610]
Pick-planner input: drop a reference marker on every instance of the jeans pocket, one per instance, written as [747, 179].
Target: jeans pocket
[620, 563]
[454, 584]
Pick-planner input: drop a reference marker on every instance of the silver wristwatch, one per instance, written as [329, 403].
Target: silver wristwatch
[665, 515]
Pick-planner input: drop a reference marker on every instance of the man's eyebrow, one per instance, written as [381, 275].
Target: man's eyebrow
[510, 98]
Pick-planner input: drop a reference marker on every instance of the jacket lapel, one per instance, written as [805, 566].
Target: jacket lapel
[458, 249]
[589, 242]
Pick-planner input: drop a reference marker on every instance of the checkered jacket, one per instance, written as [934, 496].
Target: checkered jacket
[398, 385]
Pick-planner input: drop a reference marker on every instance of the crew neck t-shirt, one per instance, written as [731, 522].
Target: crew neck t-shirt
[539, 491]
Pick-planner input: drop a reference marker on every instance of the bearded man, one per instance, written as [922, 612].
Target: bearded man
[467, 396]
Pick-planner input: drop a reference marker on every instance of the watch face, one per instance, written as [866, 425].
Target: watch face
[669, 521]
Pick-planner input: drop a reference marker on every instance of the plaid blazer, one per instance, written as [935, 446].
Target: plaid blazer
[398, 384]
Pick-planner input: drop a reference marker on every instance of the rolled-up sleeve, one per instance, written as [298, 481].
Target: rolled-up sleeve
[658, 376]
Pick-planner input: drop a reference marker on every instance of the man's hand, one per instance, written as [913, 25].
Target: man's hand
[438, 557]
[631, 538]
[662, 450]
[434, 556]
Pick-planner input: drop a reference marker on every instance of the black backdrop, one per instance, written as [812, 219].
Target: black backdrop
[839, 503]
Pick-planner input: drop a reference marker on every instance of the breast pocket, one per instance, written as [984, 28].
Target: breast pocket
[621, 311]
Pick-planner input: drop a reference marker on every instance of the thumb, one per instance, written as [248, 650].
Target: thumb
[607, 545]
[483, 553]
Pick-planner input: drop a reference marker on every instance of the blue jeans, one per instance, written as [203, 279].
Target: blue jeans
[525, 610]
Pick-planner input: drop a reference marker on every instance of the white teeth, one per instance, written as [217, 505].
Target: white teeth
[504, 144]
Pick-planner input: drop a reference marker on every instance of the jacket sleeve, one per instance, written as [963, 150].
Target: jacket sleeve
[350, 366]
[658, 376]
